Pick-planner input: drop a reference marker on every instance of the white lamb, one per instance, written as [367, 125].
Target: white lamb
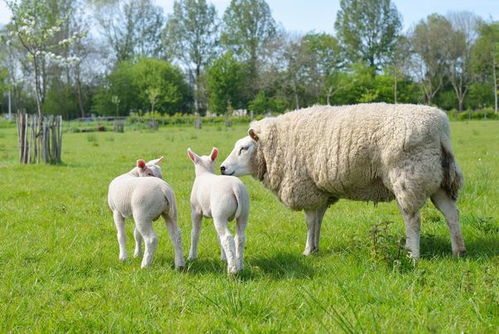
[376, 152]
[133, 194]
[222, 198]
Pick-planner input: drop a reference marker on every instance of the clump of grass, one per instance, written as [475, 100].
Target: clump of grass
[388, 248]
[110, 138]
[91, 138]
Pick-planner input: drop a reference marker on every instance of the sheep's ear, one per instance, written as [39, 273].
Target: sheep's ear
[141, 164]
[156, 161]
[192, 155]
[214, 154]
[253, 134]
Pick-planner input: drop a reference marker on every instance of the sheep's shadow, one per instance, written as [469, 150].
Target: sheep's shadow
[438, 246]
[277, 267]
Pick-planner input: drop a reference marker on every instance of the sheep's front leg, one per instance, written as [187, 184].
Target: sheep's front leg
[176, 238]
[119, 223]
[195, 232]
[138, 242]
[150, 240]
[241, 223]
[310, 217]
[227, 242]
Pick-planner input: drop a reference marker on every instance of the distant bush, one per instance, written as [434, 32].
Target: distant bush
[485, 113]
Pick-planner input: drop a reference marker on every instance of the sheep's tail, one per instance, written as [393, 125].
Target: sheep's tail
[241, 196]
[453, 177]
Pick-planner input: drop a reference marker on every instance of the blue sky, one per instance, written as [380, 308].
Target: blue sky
[301, 16]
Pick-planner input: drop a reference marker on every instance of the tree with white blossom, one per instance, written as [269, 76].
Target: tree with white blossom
[39, 36]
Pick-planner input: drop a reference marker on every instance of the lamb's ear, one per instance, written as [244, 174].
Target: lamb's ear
[141, 164]
[252, 134]
[156, 161]
[214, 153]
[193, 156]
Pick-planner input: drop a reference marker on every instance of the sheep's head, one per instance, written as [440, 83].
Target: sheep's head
[150, 168]
[205, 163]
[241, 159]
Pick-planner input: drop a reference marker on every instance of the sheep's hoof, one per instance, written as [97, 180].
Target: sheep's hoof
[180, 268]
[459, 253]
[191, 258]
[137, 254]
[308, 252]
[123, 258]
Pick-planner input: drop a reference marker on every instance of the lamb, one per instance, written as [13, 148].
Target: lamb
[136, 194]
[378, 152]
[222, 198]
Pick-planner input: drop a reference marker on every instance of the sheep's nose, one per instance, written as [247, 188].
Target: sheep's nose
[222, 169]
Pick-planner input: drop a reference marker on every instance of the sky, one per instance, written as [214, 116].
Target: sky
[301, 16]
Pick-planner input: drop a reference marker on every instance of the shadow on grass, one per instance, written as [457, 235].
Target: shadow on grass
[277, 267]
[437, 246]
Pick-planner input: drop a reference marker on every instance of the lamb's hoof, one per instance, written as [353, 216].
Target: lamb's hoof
[180, 268]
[232, 271]
[145, 265]
[308, 252]
[459, 253]
[137, 255]
[123, 258]
[191, 258]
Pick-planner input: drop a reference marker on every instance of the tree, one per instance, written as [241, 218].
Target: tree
[485, 57]
[247, 27]
[132, 28]
[368, 30]
[148, 84]
[465, 28]
[431, 40]
[35, 26]
[191, 36]
[226, 83]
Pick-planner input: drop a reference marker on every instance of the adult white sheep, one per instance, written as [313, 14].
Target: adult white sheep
[222, 198]
[144, 198]
[376, 152]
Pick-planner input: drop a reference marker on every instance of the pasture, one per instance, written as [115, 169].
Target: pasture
[59, 267]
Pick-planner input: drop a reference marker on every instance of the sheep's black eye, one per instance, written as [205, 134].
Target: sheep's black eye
[243, 149]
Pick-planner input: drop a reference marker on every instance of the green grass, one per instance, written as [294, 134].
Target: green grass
[59, 267]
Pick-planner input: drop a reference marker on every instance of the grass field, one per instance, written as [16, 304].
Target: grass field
[59, 267]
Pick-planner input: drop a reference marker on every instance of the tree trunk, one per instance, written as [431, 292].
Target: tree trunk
[495, 84]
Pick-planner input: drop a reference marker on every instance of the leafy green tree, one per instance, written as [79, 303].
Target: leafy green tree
[132, 28]
[260, 104]
[247, 27]
[134, 84]
[227, 79]
[368, 30]
[431, 40]
[485, 59]
[191, 36]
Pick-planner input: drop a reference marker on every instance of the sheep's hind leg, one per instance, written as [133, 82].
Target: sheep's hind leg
[119, 223]
[150, 240]
[227, 242]
[176, 238]
[138, 242]
[314, 221]
[448, 208]
[195, 232]
[241, 223]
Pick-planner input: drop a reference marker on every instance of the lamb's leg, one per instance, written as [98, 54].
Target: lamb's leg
[241, 223]
[448, 208]
[119, 223]
[222, 252]
[196, 230]
[318, 224]
[138, 242]
[311, 218]
[176, 238]
[227, 242]
[412, 232]
[151, 241]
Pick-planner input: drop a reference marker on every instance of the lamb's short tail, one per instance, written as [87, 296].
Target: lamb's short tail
[242, 199]
[453, 177]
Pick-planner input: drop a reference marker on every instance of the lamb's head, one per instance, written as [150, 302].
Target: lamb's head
[150, 168]
[243, 156]
[205, 163]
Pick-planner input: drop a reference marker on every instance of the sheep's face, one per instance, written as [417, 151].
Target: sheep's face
[203, 163]
[150, 168]
[239, 161]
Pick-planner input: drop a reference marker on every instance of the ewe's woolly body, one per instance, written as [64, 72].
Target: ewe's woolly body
[312, 157]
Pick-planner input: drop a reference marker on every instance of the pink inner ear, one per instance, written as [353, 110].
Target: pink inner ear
[141, 163]
[191, 155]
[214, 154]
